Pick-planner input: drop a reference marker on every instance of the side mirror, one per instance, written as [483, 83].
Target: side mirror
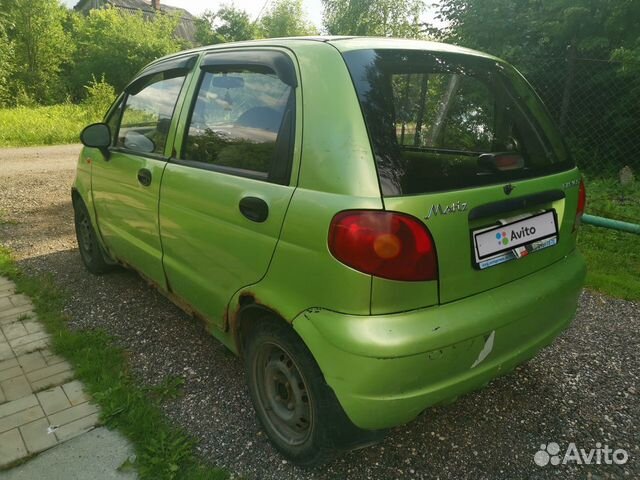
[97, 135]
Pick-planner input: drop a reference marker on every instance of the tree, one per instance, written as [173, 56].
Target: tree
[205, 29]
[629, 58]
[286, 18]
[555, 43]
[40, 47]
[228, 24]
[517, 28]
[235, 25]
[6, 63]
[373, 17]
[116, 45]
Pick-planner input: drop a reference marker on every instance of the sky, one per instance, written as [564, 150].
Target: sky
[313, 8]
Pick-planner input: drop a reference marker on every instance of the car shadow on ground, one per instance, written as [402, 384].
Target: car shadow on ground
[40, 226]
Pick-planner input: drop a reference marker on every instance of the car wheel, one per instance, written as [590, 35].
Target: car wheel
[296, 407]
[90, 249]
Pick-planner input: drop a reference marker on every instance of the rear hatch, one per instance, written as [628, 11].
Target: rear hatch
[463, 144]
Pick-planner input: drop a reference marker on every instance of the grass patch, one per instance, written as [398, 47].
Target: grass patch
[613, 261]
[613, 257]
[607, 198]
[162, 451]
[52, 125]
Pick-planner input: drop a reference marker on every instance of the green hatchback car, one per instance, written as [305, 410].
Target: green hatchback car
[375, 226]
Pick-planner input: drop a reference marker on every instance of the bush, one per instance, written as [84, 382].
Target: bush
[100, 96]
[116, 45]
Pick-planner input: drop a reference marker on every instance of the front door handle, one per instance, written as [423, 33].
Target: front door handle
[144, 177]
[254, 208]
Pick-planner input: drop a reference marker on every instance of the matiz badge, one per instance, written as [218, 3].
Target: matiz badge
[437, 209]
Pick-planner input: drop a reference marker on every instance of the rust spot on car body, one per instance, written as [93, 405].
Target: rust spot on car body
[246, 300]
[230, 316]
[179, 302]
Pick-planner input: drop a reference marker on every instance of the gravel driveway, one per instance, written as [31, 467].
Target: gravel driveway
[583, 389]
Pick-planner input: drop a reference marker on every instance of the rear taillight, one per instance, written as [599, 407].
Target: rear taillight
[384, 244]
[582, 202]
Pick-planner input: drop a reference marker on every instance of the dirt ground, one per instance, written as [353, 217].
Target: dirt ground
[582, 390]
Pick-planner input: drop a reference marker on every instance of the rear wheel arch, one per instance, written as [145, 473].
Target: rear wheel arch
[300, 390]
[249, 315]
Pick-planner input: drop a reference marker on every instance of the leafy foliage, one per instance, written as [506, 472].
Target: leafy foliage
[629, 58]
[593, 27]
[39, 45]
[48, 53]
[6, 64]
[100, 95]
[116, 45]
[286, 18]
[373, 17]
[228, 24]
[568, 50]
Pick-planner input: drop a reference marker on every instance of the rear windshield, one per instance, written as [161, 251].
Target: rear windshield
[449, 121]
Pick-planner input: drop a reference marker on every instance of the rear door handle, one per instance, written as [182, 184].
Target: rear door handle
[254, 208]
[144, 177]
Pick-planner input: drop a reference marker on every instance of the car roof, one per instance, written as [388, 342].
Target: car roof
[345, 44]
[341, 43]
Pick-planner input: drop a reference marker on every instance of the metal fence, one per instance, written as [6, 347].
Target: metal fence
[596, 103]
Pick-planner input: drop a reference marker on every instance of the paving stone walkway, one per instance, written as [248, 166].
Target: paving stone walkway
[41, 405]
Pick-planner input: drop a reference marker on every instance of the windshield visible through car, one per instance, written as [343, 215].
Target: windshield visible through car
[448, 121]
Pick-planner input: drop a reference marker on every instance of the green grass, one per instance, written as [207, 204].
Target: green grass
[162, 451]
[58, 124]
[613, 257]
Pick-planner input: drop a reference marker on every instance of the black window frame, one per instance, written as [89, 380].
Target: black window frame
[115, 109]
[279, 63]
[173, 68]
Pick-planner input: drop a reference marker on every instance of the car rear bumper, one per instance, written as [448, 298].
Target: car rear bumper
[385, 370]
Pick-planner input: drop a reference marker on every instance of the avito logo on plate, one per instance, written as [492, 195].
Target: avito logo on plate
[503, 238]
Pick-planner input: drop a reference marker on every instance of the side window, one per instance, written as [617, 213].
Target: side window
[147, 114]
[242, 122]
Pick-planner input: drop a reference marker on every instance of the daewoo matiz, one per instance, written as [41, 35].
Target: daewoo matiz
[376, 226]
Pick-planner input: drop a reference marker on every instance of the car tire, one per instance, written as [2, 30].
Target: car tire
[90, 249]
[294, 404]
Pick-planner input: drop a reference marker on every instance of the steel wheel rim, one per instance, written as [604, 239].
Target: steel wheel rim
[283, 395]
[84, 236]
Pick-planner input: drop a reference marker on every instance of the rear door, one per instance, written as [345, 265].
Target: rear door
[126, 185]
[463, 144]
[224, 197]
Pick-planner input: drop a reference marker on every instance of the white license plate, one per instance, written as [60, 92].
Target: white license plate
[492, 243]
